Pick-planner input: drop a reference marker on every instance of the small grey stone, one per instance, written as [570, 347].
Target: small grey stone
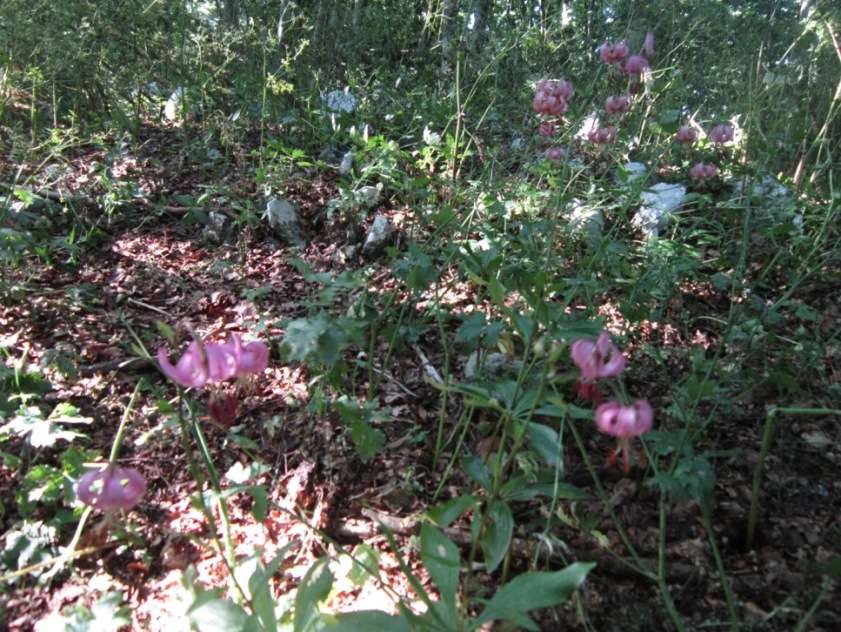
[219, 228]
[283, 218]
[340, 101]
[496, 366]
[346, 164]
[379, 237]
[368, 197]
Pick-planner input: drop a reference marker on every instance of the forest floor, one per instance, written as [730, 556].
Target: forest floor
[146, 266]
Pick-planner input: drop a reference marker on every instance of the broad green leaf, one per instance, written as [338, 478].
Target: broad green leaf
[443, 515]
[547, 490]
[546, 442]
[312, 590]
[478, 471]
[210, 613]
[259, 588]
[443, 563]
[362, 621]
[533, 590]
[260, 496]
[499, 529]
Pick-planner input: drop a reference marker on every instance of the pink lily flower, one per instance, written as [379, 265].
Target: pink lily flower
[649, 43]
[703, 171]
[555, 153]
[254, 357]
[597, 358]
[617, 105]
[602, 135]
[190, 370]
[721, 134]
[625, 423]
[686, 134]
[613, 54]
[111, 488]
[552, 96]
[211, 363]
[636, 65]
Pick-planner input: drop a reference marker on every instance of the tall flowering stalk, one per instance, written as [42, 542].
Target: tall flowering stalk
[597, 360]
[551, 99]
[209, 364]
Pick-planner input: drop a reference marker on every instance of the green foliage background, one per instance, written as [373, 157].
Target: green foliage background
[79, 62]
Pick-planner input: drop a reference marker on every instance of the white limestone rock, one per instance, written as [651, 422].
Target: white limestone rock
[283, 218]
[379, 236]
[659, 202]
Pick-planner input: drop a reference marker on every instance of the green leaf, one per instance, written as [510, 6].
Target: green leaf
[209, 613]
[312, 590]
[365, 563]
[359, 416]
[362, 621]
[546, 442]
[262, 601]
[108, 614]
[499, 529]
[533, 590]
[260, 495]
[442, 561]
[471, 328]
[443, 515]
[478, 471]
[319, 338]
[557, 491]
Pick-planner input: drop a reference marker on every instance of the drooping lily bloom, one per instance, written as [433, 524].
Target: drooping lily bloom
[597, 358]
[547, 129]
[191, 370]
[636, 65]
[649, 43]
[111, 488]
[721, 134]
[702, 171]
[211, 363]
[602, 135]
[254, 358]
[555, 153]
[552, 96]
[208, 363]
[617, 105]
[686, 134]
[625, 423]
[558, 87]
[613, 53]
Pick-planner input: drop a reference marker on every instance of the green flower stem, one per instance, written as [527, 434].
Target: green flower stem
[661, 569]
[227, 550]
[640, 566]
[722, 572]
[767, 436]
[118, 440]
[217, 488]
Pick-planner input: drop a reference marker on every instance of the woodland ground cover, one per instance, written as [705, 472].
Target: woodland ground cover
[213, 429]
